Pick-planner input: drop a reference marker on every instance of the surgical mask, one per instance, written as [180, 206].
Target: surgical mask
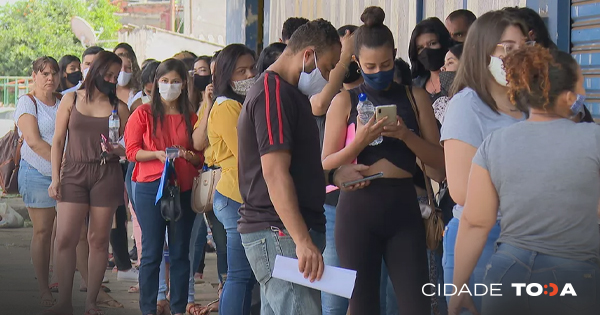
[106, 87]
[124, 78]
[202, 81]
[169, 92]
[242, 87]
[74, 77]
[446, 80]
[432, 59]
[380, 80]
[496, 68]
[577, 106]
[353, 73]
[85, 72]
[311, 83]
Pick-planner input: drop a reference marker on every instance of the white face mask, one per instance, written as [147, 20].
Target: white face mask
[85, 72]
[169, 92]
[146, 99]
[311, 83]
[496, 68]
[243, 86]
[124, 78]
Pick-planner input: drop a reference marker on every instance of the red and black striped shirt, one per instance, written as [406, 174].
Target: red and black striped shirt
[277, 116]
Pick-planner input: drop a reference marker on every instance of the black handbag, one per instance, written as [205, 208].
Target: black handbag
[170, 203]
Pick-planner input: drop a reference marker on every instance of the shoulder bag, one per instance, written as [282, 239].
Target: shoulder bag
[203, 189]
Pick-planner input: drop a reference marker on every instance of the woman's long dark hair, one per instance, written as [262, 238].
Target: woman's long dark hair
[63, 63]
[135, 82]
[268, 56]
[104, 60]
[224, 68]
[431, 25]
[183, 102]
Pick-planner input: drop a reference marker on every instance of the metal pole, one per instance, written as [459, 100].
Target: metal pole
[172, 26]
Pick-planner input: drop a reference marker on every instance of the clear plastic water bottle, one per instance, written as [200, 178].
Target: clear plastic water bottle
[366, 110]
[114, 123]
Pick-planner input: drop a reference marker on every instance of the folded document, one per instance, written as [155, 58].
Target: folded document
[335, 280]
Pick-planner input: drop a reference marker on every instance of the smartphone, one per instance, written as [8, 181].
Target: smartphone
[388, 111]
[358, 181]
[104, 141]
[172, 153]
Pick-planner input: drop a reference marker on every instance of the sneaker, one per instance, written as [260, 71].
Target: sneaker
[129, 275]
[133, 253]
[105, 280]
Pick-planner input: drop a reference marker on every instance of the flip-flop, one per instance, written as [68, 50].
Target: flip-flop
[134, 289]
[104, 288]
[109, 304]
[54, 287]
[94, 311]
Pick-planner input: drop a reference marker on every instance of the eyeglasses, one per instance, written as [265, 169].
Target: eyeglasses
[509, 47]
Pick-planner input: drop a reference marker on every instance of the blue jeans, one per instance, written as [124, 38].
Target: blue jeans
[220, 237]
[514, 265]
[278, 296]
[479, 271]
[153, 239]
[129, 182]
[33, 187]
[237, 291]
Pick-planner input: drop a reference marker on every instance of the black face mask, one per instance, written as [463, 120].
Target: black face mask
[353, 73]
[106, 87]
[446, 80]
[201, 81]
[74, 77]
[432, 59]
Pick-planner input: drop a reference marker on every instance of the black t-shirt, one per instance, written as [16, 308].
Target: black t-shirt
[277, 116]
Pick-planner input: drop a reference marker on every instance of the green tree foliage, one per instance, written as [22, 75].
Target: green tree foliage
[33, 28]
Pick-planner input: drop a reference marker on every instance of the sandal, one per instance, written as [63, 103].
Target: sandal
[103, 287]
[109, 304]
[94, 311]
[163, 308]
[54, 287]
[134, 289]
[48, 302]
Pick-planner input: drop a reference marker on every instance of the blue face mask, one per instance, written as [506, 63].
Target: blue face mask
[380, 80]
[577, 106]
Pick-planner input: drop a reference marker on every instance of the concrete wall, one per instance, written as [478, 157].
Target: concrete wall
[208, 20]
[151, 42]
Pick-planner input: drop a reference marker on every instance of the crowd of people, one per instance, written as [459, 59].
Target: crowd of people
[487, 108]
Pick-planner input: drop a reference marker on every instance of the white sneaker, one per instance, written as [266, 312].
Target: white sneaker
[105, 280]
[129, 275]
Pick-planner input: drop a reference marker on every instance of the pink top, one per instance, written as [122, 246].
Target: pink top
[350, 134]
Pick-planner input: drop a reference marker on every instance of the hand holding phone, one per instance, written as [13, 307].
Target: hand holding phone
[388, 111]
[362, 180]
[172, 153]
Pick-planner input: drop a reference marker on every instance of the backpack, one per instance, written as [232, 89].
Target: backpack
[10, 156]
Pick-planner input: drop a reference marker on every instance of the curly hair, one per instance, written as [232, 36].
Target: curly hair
[537, 76]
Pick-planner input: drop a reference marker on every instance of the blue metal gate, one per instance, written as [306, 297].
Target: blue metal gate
[585, 40]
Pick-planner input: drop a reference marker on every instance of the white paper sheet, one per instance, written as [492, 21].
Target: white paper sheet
[335, 280]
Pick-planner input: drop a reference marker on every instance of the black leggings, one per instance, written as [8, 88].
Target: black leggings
[118, 235]
[383, 220]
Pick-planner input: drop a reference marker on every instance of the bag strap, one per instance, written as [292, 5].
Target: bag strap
[17, 155]
[428, 187]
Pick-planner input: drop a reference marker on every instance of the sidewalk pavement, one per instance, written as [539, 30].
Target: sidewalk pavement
[18, 286]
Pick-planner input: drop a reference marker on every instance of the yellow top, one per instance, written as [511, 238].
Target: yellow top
[223, 139]
[208, 158]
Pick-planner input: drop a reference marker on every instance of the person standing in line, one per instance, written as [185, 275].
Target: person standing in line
[166, 122]
[234, 75]
[393, 230]
[289, 28]
[35, 117]
[458, 23]
[429, 44]
[86, 61]
[282, 182]
[69, 72]
[86, 181]
[551, 238]
[478, 106]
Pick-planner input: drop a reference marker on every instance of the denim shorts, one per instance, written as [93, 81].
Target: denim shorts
[33, 187]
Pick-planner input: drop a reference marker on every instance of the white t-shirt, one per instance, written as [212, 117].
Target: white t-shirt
[137, 96]
[73, 89]
[46, 119]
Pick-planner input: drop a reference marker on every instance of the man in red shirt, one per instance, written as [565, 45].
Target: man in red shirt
[282, 181]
